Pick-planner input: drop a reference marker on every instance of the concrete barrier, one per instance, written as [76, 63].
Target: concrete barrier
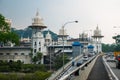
[111, 75]
[84, 70]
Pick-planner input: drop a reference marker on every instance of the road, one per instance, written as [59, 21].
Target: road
[115, 70]
[98, 72]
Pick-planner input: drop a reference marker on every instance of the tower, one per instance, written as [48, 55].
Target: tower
[37, 36]
[48, 39]
[97, 40]
[62, 35]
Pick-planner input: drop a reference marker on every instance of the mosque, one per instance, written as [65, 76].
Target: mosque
[46, 45]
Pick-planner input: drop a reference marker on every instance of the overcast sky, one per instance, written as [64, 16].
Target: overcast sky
[89, 13]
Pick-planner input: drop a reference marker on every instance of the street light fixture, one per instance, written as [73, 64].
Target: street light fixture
[63, 37]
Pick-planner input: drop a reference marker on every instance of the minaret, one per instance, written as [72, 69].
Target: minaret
[37, 36]
[48, 38]
[97, 40]
[62, 34]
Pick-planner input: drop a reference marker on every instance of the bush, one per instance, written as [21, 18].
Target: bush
[12, 76]
[28, 77]
[3, 77]
[38, 75]
[27, 68]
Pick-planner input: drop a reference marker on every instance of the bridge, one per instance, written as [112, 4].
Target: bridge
[97, 67]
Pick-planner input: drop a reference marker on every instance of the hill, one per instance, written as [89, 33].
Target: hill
[27, 32]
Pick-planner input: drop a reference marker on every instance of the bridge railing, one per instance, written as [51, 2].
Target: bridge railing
[84, 70]
[110, 72]
[56, 75]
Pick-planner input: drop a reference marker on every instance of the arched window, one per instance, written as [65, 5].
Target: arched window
[35, 43]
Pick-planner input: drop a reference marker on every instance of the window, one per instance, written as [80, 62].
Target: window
[22, 54]
[7, 53]
[1, 53]
[16, 53]
[39, 49]
[35, 43]
[34, 50]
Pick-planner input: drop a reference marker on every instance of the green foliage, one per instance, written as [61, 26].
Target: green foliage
[13, 76]
[38, 75]
[34, 59]
[3, 77]
[117, 47]
[5, 34]
[28, 77]
[37, 57]
[41, 75]
[18, 66]
[3, 25]
[32, 68]
[28, 32]
[59, 61]
[108, 47]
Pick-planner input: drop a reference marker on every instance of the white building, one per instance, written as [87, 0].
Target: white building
[39, 43]
[15, 53]
[97, 40]
[38, 40]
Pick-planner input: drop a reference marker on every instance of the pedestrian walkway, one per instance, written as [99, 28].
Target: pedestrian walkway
[98, 72]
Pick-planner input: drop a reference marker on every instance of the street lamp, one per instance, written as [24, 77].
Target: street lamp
[63, 37]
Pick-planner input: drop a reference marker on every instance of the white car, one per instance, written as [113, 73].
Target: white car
[85, 58]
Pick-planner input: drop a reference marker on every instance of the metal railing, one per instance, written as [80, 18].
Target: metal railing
[82, 69]
[60, 72]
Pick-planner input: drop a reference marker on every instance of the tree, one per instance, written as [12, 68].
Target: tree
[37, 57]
[34, 59]
[5, 34]
[59, 61]
[117, 48]
[4, 25]
[108, 47]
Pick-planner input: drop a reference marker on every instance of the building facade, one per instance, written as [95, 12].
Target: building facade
[15, 54]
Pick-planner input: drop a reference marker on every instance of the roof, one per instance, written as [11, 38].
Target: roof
[91, 46]
[76, 43]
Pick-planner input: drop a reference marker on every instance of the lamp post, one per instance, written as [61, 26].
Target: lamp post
[63, 37]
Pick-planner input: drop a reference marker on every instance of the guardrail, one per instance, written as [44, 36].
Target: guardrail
[110, 72]
[84, 72]
[56, 75]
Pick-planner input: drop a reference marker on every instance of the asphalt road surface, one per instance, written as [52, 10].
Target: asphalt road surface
[98, 72]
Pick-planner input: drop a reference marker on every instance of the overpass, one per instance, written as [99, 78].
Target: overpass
[96, 68]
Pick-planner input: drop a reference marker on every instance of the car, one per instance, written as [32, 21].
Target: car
[85, 58]
[110, 58]
[79, 63]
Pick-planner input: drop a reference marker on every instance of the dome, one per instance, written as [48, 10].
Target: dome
[97, 32]
[90, 46]
[76, 44]
[37, 22]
